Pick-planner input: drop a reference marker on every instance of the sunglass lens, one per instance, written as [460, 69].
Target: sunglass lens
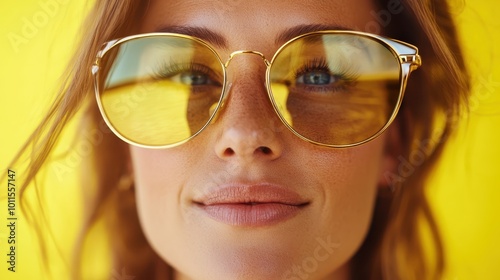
[160, 90]
[336, 89]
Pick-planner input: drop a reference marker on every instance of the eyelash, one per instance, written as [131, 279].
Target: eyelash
[170, 69]
[345, 75]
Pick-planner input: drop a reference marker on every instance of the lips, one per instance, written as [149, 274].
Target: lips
[251, 205]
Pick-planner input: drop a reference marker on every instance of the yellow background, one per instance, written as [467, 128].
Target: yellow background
[465, 189]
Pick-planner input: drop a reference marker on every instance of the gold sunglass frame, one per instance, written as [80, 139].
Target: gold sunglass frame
[405, 53]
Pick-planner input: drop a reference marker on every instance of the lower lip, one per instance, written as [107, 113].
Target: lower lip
[263, 214]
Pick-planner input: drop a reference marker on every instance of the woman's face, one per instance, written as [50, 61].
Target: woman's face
[247, 199]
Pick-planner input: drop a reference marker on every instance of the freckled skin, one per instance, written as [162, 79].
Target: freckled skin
[341, 184]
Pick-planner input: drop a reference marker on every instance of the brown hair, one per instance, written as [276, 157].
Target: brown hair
[394, 247]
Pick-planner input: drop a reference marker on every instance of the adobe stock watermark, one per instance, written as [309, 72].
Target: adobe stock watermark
[86, 144]
[383, 17]
[83, 148]
[128, 102]
[421, 151]
[407, 167]
[48, 9]
[309, 265]
[483, 92]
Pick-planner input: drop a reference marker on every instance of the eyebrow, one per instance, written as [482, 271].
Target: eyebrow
[200, 32]
[218, 40]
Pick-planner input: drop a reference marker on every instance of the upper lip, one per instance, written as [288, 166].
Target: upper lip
[251, 194]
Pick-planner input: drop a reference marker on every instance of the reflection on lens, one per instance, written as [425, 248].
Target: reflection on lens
[160, 90]
[336, 89]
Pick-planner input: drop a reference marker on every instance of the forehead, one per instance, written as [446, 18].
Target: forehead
[255, 24]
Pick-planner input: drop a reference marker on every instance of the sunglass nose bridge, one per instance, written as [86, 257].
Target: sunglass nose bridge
[235, 53]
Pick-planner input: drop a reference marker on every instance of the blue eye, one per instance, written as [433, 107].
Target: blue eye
[315, 77]
[190, 74]
[194, 78]
[316, 72]
[318, 75]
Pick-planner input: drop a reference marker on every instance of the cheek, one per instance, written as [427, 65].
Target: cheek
[348, 181]
[159, 177]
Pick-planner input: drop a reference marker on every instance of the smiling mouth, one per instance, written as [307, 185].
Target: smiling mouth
[251, 205]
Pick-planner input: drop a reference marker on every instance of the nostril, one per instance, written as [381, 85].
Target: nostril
[229, 152]
[265, 150]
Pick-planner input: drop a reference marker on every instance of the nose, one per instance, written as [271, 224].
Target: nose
[247, 144]
[249, 129]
